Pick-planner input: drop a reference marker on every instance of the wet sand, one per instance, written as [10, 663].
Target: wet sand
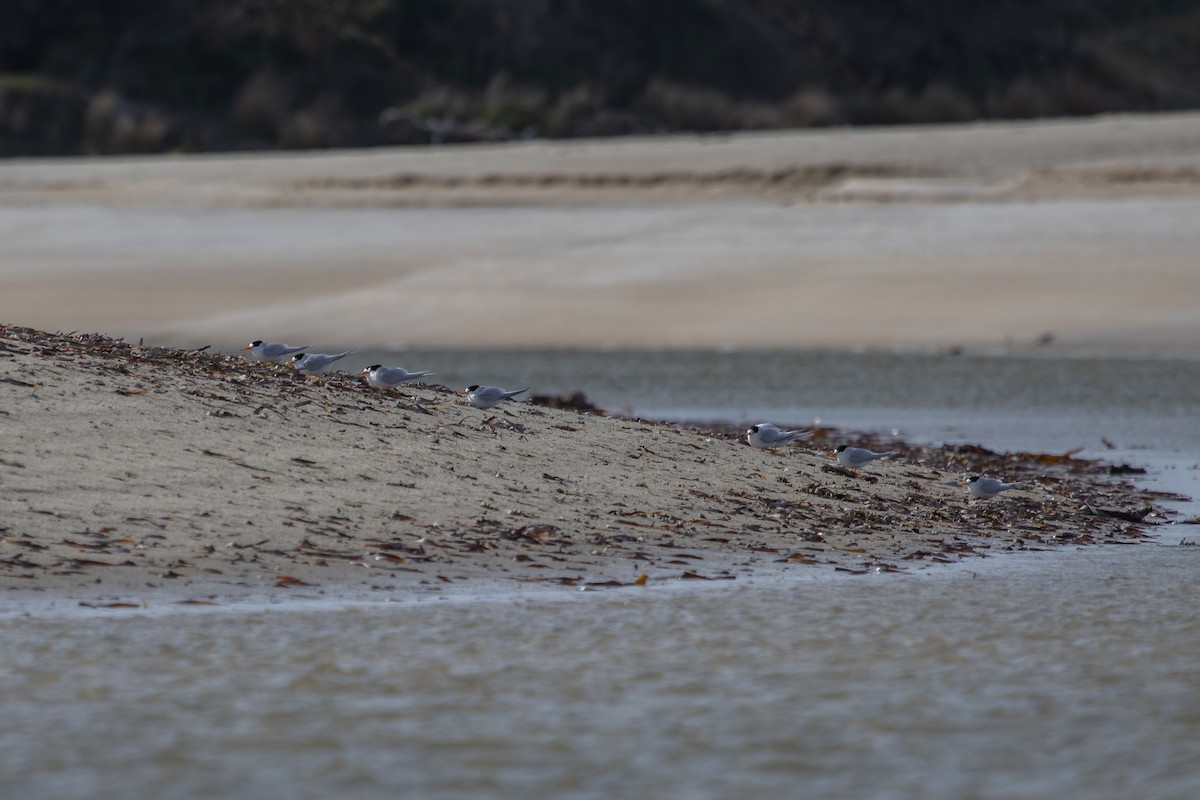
[133, 473]
[994, 236]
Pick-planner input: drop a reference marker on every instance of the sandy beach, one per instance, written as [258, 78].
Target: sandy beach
[130, 470]
[992, 236]
[133, 473]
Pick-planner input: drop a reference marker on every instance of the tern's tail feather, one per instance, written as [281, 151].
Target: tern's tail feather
[340, 355]
[517, 392]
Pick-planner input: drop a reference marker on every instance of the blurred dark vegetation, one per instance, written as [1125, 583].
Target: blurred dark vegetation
[118, 76]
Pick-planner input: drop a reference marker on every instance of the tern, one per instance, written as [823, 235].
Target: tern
[382, 377]
[489, 396]
[986, 488]
[855, 457]
[313, 364]
[276, 352]
[766, 436]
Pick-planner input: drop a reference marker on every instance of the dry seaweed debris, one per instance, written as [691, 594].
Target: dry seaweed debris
[574, 401]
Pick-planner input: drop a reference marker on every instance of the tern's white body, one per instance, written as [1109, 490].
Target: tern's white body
[489, 396]
[277, 352]
[382, 377]
[315, 363]
[987, 488]
[855, 457]
[766, 436]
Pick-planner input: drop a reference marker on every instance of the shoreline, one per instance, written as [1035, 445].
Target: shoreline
[44, 603]
[141, 472]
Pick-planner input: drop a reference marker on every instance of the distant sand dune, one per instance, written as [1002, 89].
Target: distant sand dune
[980, 235]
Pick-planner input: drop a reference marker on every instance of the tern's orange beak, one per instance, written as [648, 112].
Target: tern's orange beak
[833, 453]
[248, 347]
[461, 394]
[364, 372]
[962, 483]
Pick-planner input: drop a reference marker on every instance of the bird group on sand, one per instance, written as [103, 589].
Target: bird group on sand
[378, 376]
[764, 435]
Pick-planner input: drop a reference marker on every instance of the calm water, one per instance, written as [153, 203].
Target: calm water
[1071, 674]
[1074, 673]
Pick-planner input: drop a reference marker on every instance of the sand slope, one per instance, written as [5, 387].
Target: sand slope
[131, 471]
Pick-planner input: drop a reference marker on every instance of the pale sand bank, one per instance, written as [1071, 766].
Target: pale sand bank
[984, 235]
[130, 473]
